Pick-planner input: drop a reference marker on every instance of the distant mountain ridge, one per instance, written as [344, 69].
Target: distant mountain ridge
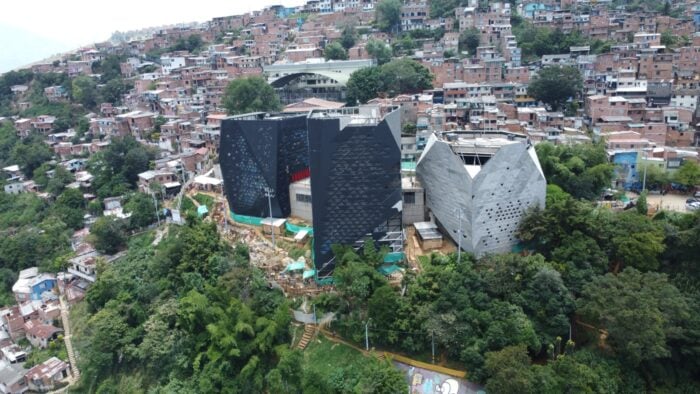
[21, 47]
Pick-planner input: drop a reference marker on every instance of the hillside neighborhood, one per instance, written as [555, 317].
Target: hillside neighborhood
[372, 166]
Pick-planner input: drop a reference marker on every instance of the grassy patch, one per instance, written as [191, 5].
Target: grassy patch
[56, 349]
[325, 356]
[204, 199]
[142, 240]
[187, 207]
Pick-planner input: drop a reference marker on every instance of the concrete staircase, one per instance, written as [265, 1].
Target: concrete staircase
[309, 332]
[67, 340]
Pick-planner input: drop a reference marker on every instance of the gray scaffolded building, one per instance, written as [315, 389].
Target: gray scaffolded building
[479, 185]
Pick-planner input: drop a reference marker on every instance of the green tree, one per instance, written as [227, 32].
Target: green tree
[666, 9]
[409, 129]
[107, 235]
[443, 8]
[656, 176]
[335, 51]
[469, 40]
[363, 85]
[555, 85]
[116, 168]
[405, 76]
[668, 38]
[142, 210]
[250, 94]
[635, 241]
[388, 15]
[70, 208]
[112, 91]
[159, 122]
[379, 51]
[688, 174]
[381, 377]
[30, 154]
[84, 91]
[642, 313]
[642, 207]
[509, 371]
[347, 38]
[582, 171]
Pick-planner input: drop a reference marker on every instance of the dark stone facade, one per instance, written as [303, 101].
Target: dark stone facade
[259, 152]
[355, 185]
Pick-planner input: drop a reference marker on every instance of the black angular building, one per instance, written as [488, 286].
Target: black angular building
[355, 158]
[259, 152]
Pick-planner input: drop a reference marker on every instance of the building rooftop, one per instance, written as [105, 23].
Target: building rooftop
[46, 370]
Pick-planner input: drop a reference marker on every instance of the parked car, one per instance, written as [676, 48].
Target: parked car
[692, 206]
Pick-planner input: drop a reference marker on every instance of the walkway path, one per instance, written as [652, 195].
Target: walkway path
[397, 357]
[68, 341]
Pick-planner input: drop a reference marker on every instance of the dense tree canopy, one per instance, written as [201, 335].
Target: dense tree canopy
[335, 51]
[642, 313]
[388, 15]
[250, 94]
[116, 169]
[348, 37]
[555, 85]
[581, 170]
[393, 78]
[85, 91]
[688, 174]
[379, 50]
[469, 41]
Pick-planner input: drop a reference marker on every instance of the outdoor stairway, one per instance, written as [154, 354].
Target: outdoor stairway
[68, 341]
[309, 331]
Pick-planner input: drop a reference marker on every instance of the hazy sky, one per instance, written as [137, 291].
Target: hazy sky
[31, 30]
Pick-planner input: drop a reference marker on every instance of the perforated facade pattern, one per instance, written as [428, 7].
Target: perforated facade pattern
[492, 199]
[355, 185]
[262, 153]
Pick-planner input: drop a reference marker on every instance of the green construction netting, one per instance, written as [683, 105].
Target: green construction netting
[252, 220]
[389, 269]
[294, 266]
[325, 281]
[295, 229]
[309, 274]
[408, 165]
[393, 257]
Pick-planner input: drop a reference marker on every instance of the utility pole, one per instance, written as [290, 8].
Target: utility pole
[644, 180]
[367, 334]
[155, 205]
[460, 234]
[270, 193]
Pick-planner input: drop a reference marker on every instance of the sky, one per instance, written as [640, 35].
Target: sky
[33, 30]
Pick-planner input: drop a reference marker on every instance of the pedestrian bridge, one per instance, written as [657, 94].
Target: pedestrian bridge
[280, 75]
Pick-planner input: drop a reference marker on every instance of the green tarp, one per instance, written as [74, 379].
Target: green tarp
[294, 266]
[251, 220]
[293, 228]
[389, 269]
[393, 257]
[309, 274]
[325, 281]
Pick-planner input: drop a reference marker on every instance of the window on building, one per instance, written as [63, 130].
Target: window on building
[305, 198]
[409, 198]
